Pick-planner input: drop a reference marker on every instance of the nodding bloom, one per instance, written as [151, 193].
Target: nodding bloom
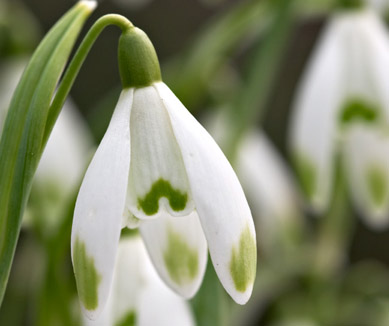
[138, 296]
[342, 110]
[158, 169]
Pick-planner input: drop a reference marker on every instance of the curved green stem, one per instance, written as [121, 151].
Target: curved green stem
[75, 65]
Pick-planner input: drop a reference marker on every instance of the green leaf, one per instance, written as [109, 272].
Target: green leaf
[22, 142]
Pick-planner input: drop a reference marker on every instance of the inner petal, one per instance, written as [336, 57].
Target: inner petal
[157, 178]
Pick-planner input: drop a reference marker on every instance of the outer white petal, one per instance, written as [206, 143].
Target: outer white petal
[157, 163]
[269, 188]
[366, 159]
[359, 83]
[319, 99]
[99, 209]
[178, 250]
[219, 199]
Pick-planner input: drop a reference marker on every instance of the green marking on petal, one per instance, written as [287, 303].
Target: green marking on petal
[357, 110]
[129, 319]
[180, 259]
[87, 277]
[162, 188]
[243, 263]
[307, 175]
[377, 185]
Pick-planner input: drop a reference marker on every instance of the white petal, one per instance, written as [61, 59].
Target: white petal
[358, 79]
[319, 99]
[99, 209]
[219, 199]
[157, 169]
[130, 278]
[178, 249]
[159, 305]
[367, 164]
[269, 187]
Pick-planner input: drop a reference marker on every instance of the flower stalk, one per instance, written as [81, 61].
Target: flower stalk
[75, 65]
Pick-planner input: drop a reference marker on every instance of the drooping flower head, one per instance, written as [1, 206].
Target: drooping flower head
[158, 169]
[342, 108]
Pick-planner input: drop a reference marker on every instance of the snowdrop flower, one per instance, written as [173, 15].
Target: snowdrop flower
[157, 168]
[346, 84]
[138, 295]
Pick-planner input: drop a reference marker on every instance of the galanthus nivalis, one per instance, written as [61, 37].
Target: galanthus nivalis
[346, 87]
[158, 168]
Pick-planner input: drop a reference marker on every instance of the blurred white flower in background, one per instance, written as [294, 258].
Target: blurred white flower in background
[267, 183]
[10, 73]
[138, 296]
[64, 159]
[345, 89]
[378, 5]
[269, 189]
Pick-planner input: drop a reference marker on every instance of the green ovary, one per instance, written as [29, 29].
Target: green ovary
[162, 188]
[87, 277]
[377, 185]
[306, 174]
[180, 259]
[357, 110]
[244, 261]
[129, 319]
